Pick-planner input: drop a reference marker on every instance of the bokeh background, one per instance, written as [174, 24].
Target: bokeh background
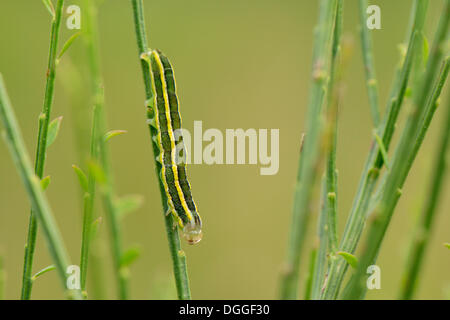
[239, 64]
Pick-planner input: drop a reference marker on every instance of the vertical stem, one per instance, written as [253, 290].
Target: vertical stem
[89, 196]
[99, 153]
[425, 102]
[328, 216]
[371, 79]
[374, 162]
[88, 203]
[310, 160]
[310, 281]
[177, 254]
[332, 111]
[33, 187]
[319, 265]
[44, 121]
[422, 235]
[409, 145]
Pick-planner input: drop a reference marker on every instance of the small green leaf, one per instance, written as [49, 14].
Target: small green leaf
[129, 256]
[382, 149]
[97, 172]
[447, 245]
[113, 133]
[128, 204]
[68, 44]
[95, 226]
[351, 259]
[49, 5]
[45, 270]
[81, 178]
[53, 130]
[45, 182]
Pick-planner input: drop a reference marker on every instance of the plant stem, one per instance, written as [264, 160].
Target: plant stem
[327, 220]
[100, 153]
[33, 187]
[374, 162]
[310, 160]
[177, 254]
[332, 111]
[409, 145]
[44, 121]
[89, 196]
[371, 79]
[310, 281]
[319, 265]
[74, 85]
[422, 235]
[425, 104]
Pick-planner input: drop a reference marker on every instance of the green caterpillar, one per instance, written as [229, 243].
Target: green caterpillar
[164, 120]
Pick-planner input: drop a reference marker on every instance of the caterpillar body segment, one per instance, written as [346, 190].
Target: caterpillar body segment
[164, 121]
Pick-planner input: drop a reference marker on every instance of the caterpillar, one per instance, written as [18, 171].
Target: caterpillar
[164, 120]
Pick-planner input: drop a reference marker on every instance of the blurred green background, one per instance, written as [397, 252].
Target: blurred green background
[239, 64]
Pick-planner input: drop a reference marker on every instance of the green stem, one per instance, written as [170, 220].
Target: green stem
[100, 153]
[327, 221]
[374, 162]
[332, 111]
[177, 254]
[409, 145]
[310, 281]
[367, 51]
[320, 262]
[310, 160]
[425, 104]
[89, 196]
[422, 235]
[33, 187]
[44, 121]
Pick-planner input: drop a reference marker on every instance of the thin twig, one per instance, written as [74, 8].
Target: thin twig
[332, 111]
[100, 154]
[371, 79]
[34, 190]
[310, 160]
[44, 121]
[374, 162]
[177, 254]
[327, 224]
[422, 235]
[309, 283]
[413, 134]
[409, 145]
[320, 262]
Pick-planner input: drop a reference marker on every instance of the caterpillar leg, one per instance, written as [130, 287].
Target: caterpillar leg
[175, 221]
